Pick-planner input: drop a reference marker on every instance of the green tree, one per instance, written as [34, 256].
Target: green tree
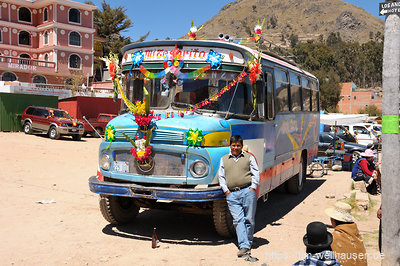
[371, 110]
[110, 23]
[293, 39]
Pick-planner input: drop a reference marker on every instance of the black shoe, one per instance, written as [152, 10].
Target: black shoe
[243, 251]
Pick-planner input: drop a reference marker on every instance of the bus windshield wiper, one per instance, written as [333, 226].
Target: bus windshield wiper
[179, 104]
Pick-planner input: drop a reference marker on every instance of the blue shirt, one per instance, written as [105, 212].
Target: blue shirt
[255, 173]
[324, 258]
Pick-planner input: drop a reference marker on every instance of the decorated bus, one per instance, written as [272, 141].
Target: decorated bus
[184, 100]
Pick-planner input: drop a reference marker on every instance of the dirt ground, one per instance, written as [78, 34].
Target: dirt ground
[71, 230]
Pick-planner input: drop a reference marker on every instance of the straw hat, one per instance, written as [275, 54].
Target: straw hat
[317, 236]
[341, 212]
[367, 153]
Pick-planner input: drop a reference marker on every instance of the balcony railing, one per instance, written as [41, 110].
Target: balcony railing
[19, 62]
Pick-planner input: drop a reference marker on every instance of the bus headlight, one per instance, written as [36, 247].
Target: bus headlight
[198, 169]
[105, 161]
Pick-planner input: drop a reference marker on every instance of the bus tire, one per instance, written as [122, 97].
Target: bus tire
[222, 217]
[118, 210]
[296, 183]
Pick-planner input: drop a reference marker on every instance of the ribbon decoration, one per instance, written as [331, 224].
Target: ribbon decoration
[214, 59]
[194, 137]
[109, 135]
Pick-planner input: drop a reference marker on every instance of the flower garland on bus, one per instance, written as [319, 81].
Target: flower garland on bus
[109, 135]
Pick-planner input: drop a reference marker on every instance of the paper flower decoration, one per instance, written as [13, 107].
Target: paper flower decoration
[254, 69]
[214, 59]
[137, 58]
[110, 133]
[258, 30]
[193, 31]
[194, 137]
[112, 63]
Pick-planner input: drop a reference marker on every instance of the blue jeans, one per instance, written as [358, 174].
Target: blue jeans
[242, 205]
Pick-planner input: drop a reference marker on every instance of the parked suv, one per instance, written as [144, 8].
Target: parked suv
[54, 122]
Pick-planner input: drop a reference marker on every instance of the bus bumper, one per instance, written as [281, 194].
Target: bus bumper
[155, 193]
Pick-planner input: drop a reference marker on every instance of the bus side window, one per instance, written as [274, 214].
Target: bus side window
[306, 91]
[282, 90]
[315, 96]
[269, 94]
[295, 93]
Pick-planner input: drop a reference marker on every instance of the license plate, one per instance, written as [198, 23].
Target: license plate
[74, 130]
[121, 166]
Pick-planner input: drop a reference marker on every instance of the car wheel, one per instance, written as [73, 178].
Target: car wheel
[53, 133]
[27, 128]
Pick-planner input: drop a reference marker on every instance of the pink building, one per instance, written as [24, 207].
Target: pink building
[352, 99]
[46, 41]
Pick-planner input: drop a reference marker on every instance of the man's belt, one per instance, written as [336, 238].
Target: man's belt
[240, 188]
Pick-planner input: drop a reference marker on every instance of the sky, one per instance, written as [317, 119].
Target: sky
[173, 18]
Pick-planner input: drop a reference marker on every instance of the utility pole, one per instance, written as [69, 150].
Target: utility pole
[391, 142]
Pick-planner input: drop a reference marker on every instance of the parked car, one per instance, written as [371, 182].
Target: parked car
[362, 134]
[98, 123]
[327, 142]
[54, 122]
[341, 132]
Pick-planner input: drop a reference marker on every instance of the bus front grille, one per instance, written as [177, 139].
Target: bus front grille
[165, 164]
[158, 135]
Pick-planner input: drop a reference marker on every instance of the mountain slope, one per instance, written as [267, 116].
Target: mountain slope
[306, 18]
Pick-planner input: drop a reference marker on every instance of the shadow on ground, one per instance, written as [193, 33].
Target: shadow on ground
[191, 229]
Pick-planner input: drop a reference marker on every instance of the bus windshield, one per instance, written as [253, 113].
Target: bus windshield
[185, 93]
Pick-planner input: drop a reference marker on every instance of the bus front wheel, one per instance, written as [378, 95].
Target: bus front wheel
[118, 210]
[222, 217]
[296, 183]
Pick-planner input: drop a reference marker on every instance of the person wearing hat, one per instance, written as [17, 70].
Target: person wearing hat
[318, 242]
[365, 170]
[347, 242]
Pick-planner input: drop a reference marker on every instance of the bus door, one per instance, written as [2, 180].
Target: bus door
[268, 171]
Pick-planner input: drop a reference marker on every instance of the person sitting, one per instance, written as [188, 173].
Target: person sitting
[347, 242]
[365, 170]
[318, 242]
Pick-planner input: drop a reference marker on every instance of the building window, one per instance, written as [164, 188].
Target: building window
[74, 15]
[355, 97]
[74, 38]
[1, 36]
[24, 38]
[46, 38]
[24, 14]
[46, 58]
[39, 79]
[45, 14]
[348, 97]
[68, 82]
[74, 61]
[8, 76]
[25, 62]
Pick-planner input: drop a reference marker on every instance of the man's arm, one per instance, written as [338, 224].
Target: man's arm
[255, 173]
[221, 178]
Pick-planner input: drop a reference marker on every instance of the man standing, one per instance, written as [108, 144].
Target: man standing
[239, 177]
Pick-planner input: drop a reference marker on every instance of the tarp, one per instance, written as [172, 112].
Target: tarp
[342, 119]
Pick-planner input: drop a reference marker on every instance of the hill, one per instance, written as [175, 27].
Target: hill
[308, 19]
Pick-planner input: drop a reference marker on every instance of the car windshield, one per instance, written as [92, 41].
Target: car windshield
[360, 130]
[187, 92]
[60, 114]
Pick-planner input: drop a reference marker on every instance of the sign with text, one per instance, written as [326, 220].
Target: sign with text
[388, 8]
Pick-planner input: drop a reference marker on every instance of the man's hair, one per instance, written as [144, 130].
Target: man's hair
[236, 138]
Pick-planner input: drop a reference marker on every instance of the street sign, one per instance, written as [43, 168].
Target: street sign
[388, 8]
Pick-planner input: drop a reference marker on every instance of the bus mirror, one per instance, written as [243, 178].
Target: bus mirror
[260, 85]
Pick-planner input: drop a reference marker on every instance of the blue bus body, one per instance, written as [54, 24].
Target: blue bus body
[282, 135]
